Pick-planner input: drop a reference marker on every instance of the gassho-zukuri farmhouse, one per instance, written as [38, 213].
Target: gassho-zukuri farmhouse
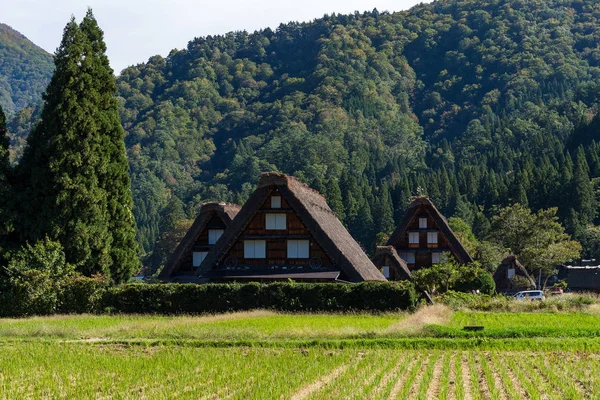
[286, 231]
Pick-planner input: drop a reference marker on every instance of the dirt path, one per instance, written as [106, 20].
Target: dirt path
[401, 382]
[452, 379]
[434, 386]
[466, 376]
[514, 380]
[319, 383]
[497, 379]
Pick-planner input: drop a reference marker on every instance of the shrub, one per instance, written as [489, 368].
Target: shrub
[212, 298]
[79, 294]
[33, 292]
[475, 279]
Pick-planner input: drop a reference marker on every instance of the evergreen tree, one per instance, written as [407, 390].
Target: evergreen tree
[5, 195]
[115, 178]
[383, 214]
[75, 168]
[334, 198]
[583, 192]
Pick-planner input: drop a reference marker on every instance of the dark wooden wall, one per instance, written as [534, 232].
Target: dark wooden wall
[276, 240]
[423, 259]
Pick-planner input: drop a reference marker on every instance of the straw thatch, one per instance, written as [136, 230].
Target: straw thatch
[456, 247]
[387, 256]
[322, 223]
[503, 283]
[225, 211]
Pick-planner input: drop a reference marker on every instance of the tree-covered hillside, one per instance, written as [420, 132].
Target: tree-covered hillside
[481, 104]
[25, 70]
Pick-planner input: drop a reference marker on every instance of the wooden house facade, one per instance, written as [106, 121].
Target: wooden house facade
[209, 226]
[424, 237]
[287, 231]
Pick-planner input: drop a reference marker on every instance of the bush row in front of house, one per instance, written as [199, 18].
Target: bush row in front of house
[38, 295]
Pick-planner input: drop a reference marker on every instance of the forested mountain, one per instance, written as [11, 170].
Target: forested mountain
[25, 70]
[480, 104]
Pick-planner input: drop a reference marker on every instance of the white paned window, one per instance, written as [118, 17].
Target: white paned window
[297, 249]
[436, 258]
[422, 223]
[198, 257]
[214, 235]
[432, 237]
[511, 273]
[385, 270]
[409, 258]
[255, 249]
[413, 237]
[275, 221]
[275, 201]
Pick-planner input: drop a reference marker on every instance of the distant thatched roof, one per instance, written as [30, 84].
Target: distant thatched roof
[225, 211]
[501, 274]
[312, 209]
[457, 248]
[388, 254]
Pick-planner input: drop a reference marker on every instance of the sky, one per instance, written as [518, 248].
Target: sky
[135, 30]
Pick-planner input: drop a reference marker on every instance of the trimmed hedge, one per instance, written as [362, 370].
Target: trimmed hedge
[41, 296]
[212, 298]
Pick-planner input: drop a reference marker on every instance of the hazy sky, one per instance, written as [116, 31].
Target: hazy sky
[138, 29]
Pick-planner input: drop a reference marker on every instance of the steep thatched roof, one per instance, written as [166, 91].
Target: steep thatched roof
[461, 254]
[312, 209]
[501, 275]
[387, 255]
[225, 211]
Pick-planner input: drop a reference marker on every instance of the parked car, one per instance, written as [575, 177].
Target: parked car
[530, 295]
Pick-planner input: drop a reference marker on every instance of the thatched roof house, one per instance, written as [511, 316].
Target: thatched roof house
[392, 266]
[424, 236]
[287, 230]
[213, 220]
[506, 273]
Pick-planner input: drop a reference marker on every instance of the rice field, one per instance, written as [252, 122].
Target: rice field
[83, 371]
[269, 355]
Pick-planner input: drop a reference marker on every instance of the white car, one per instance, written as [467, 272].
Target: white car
[530, 295]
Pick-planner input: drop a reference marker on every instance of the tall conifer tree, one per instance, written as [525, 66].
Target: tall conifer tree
[75, 167]
[5, 195]
[115, 178]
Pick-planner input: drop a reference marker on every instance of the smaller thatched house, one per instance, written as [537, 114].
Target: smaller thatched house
[507, 273]
[211, 223]
[390, 264]
[424, 236]
[286, 230]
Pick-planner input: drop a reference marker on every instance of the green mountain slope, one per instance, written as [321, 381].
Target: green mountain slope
[25, 70]
[480, 103]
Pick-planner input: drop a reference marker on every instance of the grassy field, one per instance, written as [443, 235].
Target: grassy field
[268, 355]
[81, 371]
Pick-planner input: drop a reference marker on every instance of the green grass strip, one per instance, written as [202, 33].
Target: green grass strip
[529, 386]
[489, 376]
[540, 344]
[476, 392]
[412, 375]
[445, 377]
[427, 375]
[506, 379]
[459, 384]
